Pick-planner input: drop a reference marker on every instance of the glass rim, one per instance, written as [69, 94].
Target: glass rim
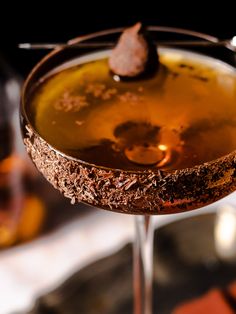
[54, 52]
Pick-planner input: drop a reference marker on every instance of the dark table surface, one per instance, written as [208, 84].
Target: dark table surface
[186, 265]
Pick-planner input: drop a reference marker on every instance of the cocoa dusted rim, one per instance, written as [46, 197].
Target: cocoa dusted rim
[147, 192]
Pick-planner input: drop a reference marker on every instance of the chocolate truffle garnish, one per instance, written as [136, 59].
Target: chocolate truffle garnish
[135, 54]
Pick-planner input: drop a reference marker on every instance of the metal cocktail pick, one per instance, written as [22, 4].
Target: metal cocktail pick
[229, 43]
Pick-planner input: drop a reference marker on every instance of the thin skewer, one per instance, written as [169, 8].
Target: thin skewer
[65, 45]
[230, 43]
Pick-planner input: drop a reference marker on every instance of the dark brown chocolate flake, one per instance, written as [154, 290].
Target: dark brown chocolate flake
[183, 65]
[134, 54]
[200, 78]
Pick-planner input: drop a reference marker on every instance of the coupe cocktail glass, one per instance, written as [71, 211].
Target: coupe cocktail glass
[158, 145]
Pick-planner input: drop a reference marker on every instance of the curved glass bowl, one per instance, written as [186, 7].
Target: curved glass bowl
[134, 192]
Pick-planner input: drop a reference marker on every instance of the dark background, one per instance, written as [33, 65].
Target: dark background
[41, 21]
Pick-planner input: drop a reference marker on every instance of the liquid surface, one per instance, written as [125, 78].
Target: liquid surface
[183, 116]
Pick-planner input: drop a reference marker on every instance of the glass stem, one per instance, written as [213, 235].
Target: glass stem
[143, 264]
